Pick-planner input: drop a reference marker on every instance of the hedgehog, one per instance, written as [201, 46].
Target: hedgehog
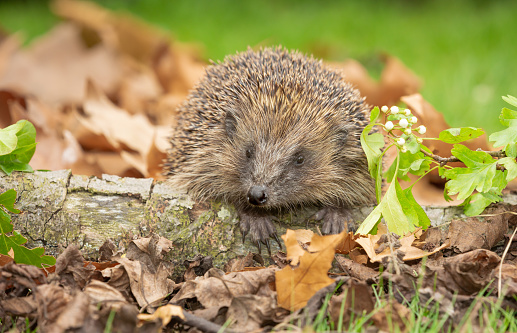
[269, 131]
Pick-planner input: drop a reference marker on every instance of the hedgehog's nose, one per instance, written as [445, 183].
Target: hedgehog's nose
[257, 195]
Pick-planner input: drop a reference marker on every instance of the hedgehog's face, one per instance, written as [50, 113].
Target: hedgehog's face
[285, 169]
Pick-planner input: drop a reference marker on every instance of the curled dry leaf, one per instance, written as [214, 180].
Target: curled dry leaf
[406, 244]
[474, 233]
[251, 312]
[164, 313]
[219, 291]
[354, 300]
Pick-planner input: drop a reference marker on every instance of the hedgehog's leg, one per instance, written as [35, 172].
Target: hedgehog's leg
[335, 220]
[260, 227]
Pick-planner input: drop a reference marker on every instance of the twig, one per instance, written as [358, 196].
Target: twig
[445, 160]
[499, 283]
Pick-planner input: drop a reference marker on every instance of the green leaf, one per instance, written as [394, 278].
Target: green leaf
[22, 255]
[478, 202]
[471, 158]
[504, 137]
[507, 118]
[510, 165]
[510, 100]
[372, 145]
[457, 135]
[511, 150]
[416, 164]
[8, 141]
[478, 176]
[5, 223]
[422, 218]
[371, 221]
[7, 199]
[374, 114]
[18, 158]
[391, 209]
[393, 212]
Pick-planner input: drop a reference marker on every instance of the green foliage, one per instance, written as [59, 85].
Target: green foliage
[478, 184]
[17, 146]
[15, 241]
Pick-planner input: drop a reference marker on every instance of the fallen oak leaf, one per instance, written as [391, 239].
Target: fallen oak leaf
[293, 249]
[296, 285]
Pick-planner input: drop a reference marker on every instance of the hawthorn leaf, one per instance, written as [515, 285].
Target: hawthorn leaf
[477, 203]
[457, 135]
[374, 114]
[463, 181]
[422, 218]
[510, 165]
[510, 100]
[511, 150]
[372, 145]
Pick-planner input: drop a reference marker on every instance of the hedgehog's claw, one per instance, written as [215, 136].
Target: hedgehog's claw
[259, 247]
[275, 236]
[335, 220]
[268, 247]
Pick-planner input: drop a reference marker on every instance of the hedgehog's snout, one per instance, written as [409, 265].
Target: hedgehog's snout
[257, 195]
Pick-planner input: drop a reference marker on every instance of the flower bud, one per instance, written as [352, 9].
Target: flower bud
[407, 131]
[413, 120]
[421, 129]
[407, 112]
[403, 149]
[389, 125]
[419, 140]
[394, 109]
[403, 123]
[384, 108]
[401, 141]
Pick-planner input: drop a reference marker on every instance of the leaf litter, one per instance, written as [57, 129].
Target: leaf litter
[102, 90]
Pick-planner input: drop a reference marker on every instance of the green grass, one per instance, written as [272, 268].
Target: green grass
[463, 50]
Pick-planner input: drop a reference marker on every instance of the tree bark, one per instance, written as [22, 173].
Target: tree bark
[59, 209]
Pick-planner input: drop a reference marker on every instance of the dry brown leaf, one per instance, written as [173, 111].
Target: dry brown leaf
[295, 286]
[370, 243]
[250, 312]
[473, 233]
[220, 290]
[357, 299]
[356, 270]
[293, 249]
[125, 32]
[147, 272]
[164, 313]
[55, 67]
[101, 292]
[396, 81]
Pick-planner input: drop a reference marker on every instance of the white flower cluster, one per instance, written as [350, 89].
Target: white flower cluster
[405, 124]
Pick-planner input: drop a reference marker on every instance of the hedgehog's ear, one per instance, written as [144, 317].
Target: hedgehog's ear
[230, 124]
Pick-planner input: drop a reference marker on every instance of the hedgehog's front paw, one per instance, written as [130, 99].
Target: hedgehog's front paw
[335, 220]
[260, 228]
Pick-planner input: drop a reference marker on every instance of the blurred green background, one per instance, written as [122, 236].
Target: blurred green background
[464, 51]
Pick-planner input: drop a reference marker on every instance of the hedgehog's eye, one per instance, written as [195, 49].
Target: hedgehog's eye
[248, 153]
[299, 160]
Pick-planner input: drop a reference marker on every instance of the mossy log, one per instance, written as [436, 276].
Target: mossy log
[59, 209]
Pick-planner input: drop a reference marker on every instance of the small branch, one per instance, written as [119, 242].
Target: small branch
[445, 160]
